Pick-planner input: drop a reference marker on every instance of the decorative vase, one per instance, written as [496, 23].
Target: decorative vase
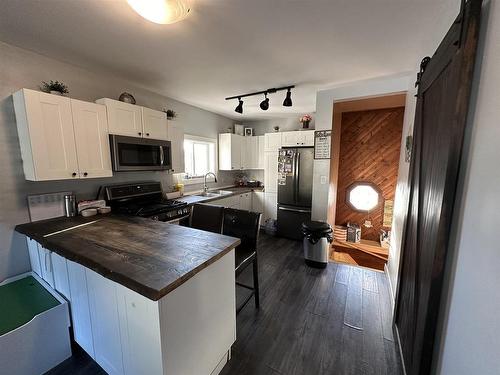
[54, 92]
[305, 124]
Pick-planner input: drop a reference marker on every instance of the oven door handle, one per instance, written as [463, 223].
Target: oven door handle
[179, 218]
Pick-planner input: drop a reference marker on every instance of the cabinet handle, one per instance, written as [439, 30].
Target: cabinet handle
[73, 174]
[85, 174]
[139, 133]
[147, 134]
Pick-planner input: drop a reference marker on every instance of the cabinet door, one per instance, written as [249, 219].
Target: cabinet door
[46, 265]
[241, 146]
[272, 141]
[260, 152]
[307, 138]
[34, 256]
[271, 172]
[258, 201]
[45, 127]
[176, 137]
[60, 271]
[92, 140]
[271, 205]
[80, 309]
[154, 124]
[246, 201]
[123, 118]
[290, 139]
[105, 322]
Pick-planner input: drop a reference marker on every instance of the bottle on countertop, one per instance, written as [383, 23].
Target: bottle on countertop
[70, 205]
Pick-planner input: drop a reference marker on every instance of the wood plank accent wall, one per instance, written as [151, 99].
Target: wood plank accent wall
[370, 144]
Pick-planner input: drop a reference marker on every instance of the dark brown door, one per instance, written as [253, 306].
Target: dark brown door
[442, 104]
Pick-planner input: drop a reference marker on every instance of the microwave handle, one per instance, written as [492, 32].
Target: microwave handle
[162, 157]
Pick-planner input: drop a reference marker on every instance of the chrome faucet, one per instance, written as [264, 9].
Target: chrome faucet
[205, 187]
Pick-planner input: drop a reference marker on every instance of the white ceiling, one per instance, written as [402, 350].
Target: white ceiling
[229, 47]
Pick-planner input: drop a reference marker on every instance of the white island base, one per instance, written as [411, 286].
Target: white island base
[187, 332]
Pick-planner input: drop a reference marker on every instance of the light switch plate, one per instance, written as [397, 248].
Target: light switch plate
[323, 180]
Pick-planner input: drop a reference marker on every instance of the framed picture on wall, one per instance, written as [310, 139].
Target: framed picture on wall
[248, 132]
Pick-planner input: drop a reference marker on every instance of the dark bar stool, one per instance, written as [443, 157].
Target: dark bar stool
[207, 217]
[245, 226]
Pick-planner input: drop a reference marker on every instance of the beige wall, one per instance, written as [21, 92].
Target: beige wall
[21, 68]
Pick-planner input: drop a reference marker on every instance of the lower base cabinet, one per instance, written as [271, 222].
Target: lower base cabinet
[271, 206]
[127, 333]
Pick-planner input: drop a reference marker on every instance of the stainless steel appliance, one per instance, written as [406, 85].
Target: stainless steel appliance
[295, 175]
[317, 239]
[145, 199]
[140, 154]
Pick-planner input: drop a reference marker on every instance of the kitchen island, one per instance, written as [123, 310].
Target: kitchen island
[145, 296]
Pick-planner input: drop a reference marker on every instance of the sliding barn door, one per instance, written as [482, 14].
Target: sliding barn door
[442, 104]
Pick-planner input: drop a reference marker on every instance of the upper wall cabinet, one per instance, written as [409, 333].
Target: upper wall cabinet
[272, 141]
[297, 138]
[135, 121]
[54, 136]
[154, 124]
[176, 138]
[92, 141]
[123, 118]
[230, 151]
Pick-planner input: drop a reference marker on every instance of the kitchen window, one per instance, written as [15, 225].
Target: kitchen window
[200, 155]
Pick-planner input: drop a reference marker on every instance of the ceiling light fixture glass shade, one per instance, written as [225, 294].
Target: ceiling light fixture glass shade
[288, 100]
[161, 11]
[239, 107]
[264, 105]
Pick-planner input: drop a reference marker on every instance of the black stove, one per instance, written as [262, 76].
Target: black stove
[145, 199]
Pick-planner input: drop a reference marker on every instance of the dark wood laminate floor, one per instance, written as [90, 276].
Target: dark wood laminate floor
[311, 322]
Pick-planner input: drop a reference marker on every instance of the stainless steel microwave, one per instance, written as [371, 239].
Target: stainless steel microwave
[140, 154]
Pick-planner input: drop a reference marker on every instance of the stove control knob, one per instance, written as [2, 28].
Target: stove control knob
[155, 217]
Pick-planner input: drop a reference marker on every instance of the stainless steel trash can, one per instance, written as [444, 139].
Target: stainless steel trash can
[317, 239]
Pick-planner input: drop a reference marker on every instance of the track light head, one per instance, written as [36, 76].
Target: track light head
[264, 105]
[239, 107]
[288, 100]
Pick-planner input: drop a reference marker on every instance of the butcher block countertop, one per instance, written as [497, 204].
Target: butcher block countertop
[150, 257]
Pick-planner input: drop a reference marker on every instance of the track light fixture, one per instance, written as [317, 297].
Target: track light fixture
[264, 105]
[239, 107]
[288, 99]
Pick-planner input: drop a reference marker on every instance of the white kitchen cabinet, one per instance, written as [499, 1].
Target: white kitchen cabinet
[298, 138]
[271, 203]
[246, 201]
[46, 265]
[60, 272]
[80, 311]
[92, 140]
[260, 152]
[258, 202]
[46, 135]
[34, 256]
[271, 171]
[251, 152]
[176, 138]
[123, 118]
[103, 304]
[230, 151]
[154, 124]
[272, 141]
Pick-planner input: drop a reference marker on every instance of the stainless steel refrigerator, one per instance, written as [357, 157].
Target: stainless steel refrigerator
[295, 178]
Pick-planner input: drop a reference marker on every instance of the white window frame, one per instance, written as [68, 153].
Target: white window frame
[199, 179]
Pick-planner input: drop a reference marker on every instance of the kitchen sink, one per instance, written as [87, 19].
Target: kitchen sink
[215, 193]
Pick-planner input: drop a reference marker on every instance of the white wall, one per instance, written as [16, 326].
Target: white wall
[471, 326]
[21, 68]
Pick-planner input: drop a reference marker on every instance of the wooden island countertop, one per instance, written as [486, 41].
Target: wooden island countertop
[150, 257]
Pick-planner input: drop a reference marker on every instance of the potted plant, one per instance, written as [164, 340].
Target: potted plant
[305, 120]
[171, 114]
[54, 87]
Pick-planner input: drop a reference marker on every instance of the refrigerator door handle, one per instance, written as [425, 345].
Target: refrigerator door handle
[297, 176]
[294, 210]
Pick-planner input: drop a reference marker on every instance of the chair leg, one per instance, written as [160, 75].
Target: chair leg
[256, 282]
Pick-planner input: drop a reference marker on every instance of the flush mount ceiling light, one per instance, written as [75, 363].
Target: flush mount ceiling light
[264, 105]
[161, 11]
[239, 107]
